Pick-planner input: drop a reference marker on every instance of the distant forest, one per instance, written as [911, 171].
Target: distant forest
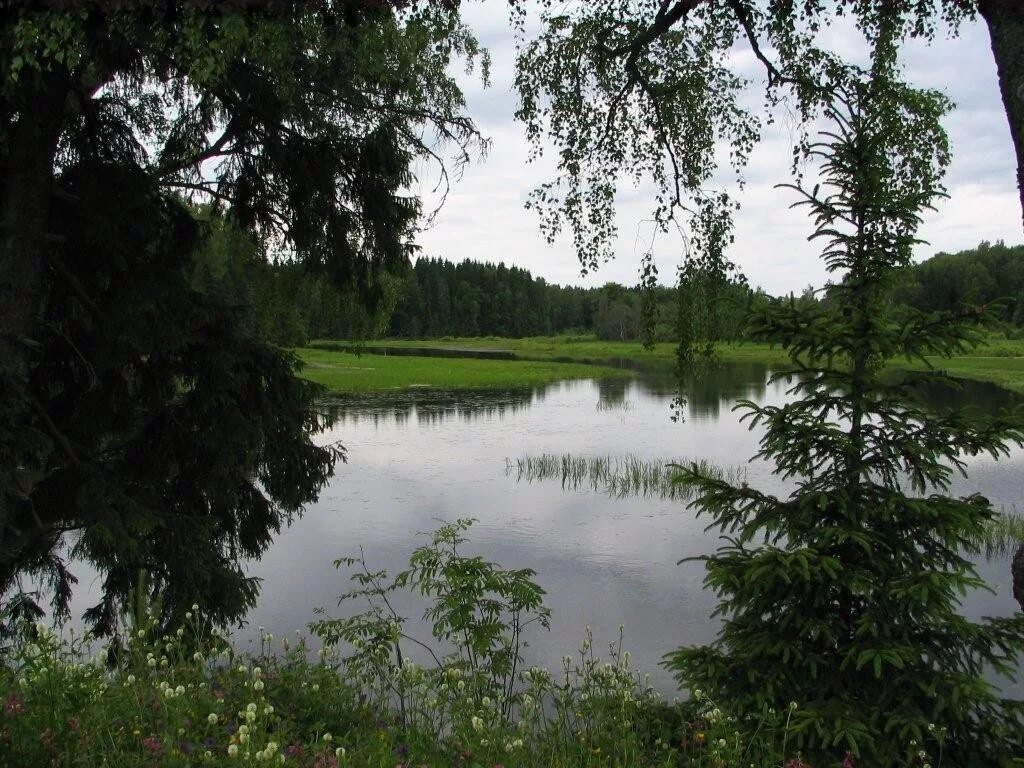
[438, 298]
[981, 275]
[290, 305]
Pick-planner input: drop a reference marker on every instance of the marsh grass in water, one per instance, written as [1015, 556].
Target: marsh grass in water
[997, 359]
[1002, 535]
[618, 476]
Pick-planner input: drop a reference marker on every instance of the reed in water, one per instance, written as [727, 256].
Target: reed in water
[621, 476]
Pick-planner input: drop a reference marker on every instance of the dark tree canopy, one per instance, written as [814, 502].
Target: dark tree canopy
[142, 421]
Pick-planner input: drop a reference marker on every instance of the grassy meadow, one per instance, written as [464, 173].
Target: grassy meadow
[544, 359]
[1004, 370]
[348, 372]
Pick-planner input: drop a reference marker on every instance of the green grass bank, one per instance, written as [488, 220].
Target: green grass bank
[548, 358]
[348, 372]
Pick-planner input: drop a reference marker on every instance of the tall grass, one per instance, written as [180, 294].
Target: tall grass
[1002, 535]
[618, 476]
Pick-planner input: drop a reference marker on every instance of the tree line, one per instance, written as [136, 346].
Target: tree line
[977, 276]
[289, 305]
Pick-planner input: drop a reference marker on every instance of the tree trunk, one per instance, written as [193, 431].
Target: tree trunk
[24, 202]
[1005, 19]
[1017, 573]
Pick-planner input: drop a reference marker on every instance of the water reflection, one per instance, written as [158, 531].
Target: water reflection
[707, 391]
[418, 457]
[604, 561]
[428, 406]
[704, 391]
[952, 394]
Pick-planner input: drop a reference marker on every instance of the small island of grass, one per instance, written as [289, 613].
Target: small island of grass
[343, 371]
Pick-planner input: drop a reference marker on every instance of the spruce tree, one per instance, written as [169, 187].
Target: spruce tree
[842, 596]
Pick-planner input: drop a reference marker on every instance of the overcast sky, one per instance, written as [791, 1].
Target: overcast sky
[484, 218]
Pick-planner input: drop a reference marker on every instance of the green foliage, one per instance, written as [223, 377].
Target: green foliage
[979, 276]
[188, 697]
[284, 303]
[631, 91]
[439, 298]
[477, 606]
[843, 596]
[144, 418]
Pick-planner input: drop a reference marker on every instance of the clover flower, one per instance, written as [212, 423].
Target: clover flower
[212, 718]
[232, 750]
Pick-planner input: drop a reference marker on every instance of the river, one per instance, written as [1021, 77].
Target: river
[605, 562]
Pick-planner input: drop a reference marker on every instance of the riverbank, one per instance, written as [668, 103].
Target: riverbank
[188, 698]
[998, 361]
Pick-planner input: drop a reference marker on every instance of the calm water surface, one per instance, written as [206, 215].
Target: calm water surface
[603, 561]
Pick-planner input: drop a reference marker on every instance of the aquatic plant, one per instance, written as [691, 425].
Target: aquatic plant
[1002, 535]
[619, 476]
